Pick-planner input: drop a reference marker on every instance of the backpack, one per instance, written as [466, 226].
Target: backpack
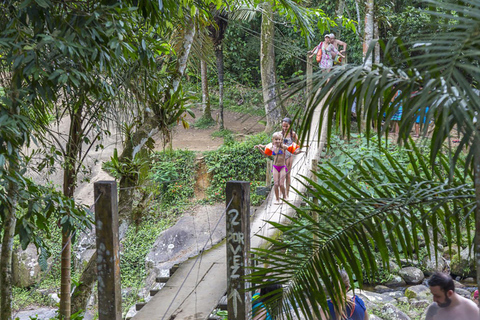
[319, 52]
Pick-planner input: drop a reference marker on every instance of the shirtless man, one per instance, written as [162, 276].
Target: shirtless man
[447, 304]
[337, 43]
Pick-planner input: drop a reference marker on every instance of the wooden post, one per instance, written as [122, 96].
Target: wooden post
[239, 303]
[309, 79]
[268, 180]
[108, 258]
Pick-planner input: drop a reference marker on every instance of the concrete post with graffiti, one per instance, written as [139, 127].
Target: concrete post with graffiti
[108, 258]
[239, 303]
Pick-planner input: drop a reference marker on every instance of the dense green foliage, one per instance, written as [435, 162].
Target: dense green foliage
[401, 205]
[236, 161]
[173, 176]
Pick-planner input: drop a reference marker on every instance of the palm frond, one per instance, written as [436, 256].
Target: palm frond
[439, 71]
[367, 215]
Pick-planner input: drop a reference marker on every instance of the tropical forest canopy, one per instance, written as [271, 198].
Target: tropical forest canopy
[142, 65]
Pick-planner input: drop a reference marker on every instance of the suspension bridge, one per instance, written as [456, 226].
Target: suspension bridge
[200, 283]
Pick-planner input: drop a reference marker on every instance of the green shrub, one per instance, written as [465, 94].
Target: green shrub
[173, 176]
[236, 161]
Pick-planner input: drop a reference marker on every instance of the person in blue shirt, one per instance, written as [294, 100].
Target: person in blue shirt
[352, 308]
[267, 293]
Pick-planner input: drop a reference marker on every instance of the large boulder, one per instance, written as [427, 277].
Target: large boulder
[25, 267]
[393, 313]
[433, 262]
[395, 281]
[411, 275]
[419, 292]
[373, 299]
[463, 264]
[184, 240]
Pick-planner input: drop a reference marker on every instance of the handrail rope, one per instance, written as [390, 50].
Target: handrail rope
[32, 291]
[195, 262]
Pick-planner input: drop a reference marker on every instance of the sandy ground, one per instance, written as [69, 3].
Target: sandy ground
[201, 139]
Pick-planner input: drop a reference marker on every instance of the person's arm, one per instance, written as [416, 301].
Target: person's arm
[366, 315]
[341, 43]
[261, 149]
[431, 312]
[294, 137]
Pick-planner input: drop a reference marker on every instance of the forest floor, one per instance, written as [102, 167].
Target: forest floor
[196, 139]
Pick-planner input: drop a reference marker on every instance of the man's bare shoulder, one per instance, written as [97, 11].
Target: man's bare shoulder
[469, 305]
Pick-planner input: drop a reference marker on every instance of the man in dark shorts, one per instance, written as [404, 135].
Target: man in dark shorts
[448, 305]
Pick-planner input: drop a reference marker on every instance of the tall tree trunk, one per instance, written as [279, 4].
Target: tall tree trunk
[368, 33]
[359, 18]
[376, 35]
[182, 58]
[267, 68]
[73, 150]
[339, 12]
[476, 172]
[220, 71]
[8, 227]
[207, 112]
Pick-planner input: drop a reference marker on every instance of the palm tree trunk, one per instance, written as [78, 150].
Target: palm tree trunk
[73, 150]
[267, 68]
[376, 35]
[368, 33]
[9, 223]
[476, 172]
[207, 113]
[220, 70]
[359, 19]
[182, 58]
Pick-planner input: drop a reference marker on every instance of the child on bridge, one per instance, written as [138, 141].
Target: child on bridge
[278, 150]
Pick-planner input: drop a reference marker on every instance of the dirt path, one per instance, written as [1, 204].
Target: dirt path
[201, 139]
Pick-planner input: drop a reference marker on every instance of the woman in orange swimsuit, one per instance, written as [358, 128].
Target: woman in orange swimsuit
[277, 149]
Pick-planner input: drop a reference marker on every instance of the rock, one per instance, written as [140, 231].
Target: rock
[382, 289]
[394, 267]
[395, 294]
[38, 313]
[463, 264]
[82, 258]
[54, 296]
[395, 281]
[433, 263]
[374, 317]
[25, 267]
[409, 263]
[403, 300]
[458, 284]
[393, 313]
[449, 252]
[372, 299]
[411, 275]
[463, 292]
[180, 242]
[470, 281]
[420, 304]
[418, 292]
